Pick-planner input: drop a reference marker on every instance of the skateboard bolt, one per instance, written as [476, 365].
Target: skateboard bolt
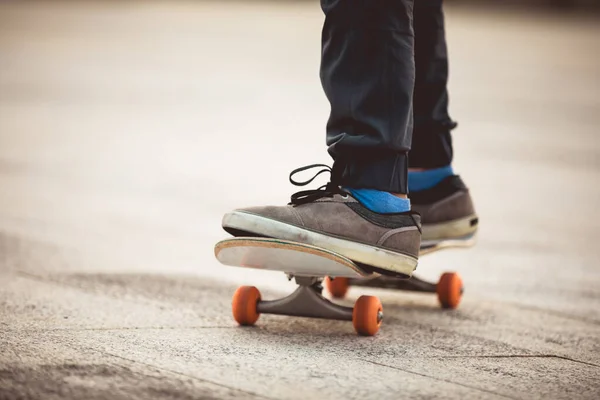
[379, 316]
[462, 290]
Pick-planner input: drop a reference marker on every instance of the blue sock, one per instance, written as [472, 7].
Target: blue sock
[380, 202]
[421, 180]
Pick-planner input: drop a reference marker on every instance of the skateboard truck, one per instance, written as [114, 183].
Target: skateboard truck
[307, 301]
[449, 288]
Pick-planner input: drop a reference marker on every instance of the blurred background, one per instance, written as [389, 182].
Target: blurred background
[128, 128]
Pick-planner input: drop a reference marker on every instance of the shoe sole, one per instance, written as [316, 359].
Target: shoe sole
[432, 246]
[380, 258]
[455, 230]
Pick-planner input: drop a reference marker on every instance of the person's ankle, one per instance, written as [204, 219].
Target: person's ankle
[422, 179]
[381, 202]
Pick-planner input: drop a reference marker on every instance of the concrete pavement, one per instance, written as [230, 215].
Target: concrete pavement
[128, 128]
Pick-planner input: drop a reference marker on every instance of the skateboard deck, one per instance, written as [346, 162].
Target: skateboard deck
[296, 259]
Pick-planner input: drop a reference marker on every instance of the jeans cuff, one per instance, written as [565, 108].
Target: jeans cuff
[388, 173]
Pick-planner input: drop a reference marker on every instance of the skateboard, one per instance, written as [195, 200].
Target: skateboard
[449, 288]
[310, 266]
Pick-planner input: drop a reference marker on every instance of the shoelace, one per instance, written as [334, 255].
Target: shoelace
[307, 196]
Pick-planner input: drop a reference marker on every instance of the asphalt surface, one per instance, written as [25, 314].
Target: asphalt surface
[128, 128]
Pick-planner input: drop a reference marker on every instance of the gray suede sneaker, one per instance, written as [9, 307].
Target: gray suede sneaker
[447, 212]
[332, 219]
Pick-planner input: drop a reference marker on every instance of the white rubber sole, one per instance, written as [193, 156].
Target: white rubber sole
[457, 229]
[358, 252]
[432, 246]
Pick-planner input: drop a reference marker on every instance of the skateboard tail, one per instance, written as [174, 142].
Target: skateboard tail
[285, 256]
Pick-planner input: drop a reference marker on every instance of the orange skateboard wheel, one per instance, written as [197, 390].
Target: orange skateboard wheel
[367, 315]
[338, 287]
[449, 290]
[244, 305]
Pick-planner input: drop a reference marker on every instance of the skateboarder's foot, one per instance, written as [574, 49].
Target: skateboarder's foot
[331, 218]
[447, 212]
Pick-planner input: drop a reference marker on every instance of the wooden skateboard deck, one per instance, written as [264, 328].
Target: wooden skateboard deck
[293, 258]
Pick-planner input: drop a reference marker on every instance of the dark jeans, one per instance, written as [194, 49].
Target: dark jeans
[370, 49]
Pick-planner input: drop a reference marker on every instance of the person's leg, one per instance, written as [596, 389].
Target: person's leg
[436, 192]
[367, 72]
[432, 142]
